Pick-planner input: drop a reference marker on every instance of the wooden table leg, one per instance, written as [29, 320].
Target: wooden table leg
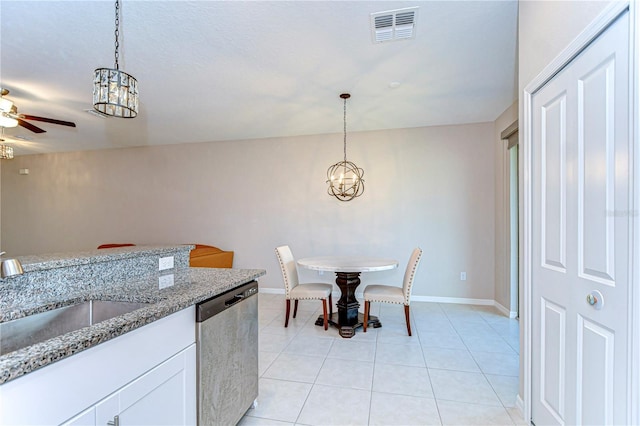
[347, 319]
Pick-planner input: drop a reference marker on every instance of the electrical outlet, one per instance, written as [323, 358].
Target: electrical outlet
[165, 281]
[165, 263]
[463, 276]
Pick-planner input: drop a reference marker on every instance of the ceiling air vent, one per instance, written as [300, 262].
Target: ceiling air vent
[394, 25]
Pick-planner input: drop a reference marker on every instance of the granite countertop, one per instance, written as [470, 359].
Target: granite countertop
[62, 260]
[189, 286]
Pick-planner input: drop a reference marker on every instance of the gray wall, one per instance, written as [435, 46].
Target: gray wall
[431, 187]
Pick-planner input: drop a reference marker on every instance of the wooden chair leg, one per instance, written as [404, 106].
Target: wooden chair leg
[324, 314]
[286, 315]
[295, 308]
[330, 305]
[406, 316]
[366, 315]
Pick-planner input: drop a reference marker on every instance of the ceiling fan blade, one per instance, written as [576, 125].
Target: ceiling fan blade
[48, 120]
[30, 126]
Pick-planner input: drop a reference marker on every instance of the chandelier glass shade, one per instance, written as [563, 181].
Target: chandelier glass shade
[115, 93]
[345, 179]
[6, 152]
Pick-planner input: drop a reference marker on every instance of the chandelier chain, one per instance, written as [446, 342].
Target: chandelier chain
[117, 31]
[345, 129]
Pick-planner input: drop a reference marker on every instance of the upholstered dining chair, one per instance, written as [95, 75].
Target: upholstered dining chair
[293, 290]
[393, 294]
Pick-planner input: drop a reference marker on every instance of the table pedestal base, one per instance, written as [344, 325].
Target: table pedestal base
[347, 319]
[348, 331]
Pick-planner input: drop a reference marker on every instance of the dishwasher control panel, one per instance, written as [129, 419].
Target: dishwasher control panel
[250, 291]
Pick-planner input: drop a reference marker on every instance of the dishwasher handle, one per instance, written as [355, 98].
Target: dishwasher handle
[217, 304]
[235, 299]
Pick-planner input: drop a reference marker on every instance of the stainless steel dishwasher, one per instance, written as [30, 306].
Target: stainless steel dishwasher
[227, 351]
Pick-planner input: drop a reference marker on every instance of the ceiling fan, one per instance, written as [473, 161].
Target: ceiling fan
[9, 116]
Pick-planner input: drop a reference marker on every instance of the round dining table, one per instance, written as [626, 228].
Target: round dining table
[348, 270]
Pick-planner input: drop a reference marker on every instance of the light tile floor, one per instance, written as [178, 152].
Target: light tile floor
[460, 367]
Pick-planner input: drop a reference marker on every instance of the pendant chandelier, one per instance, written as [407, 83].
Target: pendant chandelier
[6, 152]
[115, 93]
[345, 178]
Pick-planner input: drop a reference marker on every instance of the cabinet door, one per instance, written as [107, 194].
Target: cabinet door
[163, 396]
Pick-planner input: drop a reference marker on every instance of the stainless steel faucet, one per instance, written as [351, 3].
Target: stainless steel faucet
[10, 267]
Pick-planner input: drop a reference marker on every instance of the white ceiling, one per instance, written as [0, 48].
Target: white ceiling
[229, 70]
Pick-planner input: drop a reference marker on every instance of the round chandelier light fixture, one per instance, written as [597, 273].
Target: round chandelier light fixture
[115, 93]
[345, 179]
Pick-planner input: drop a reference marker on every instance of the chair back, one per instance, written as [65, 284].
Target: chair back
[288, 268]
[410, 273]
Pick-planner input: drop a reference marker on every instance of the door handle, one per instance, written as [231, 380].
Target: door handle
[114, 422]
[595, 299]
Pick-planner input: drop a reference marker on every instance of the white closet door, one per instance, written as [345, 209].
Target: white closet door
[580, 236]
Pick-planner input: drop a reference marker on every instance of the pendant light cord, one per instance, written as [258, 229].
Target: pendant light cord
[117, 32]
[345, 129]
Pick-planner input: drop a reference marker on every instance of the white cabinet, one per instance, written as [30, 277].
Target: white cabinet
[152, 366]
[165, 395]
[87, 417]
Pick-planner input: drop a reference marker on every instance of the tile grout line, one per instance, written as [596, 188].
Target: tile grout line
[426, 365]
[373, 375]
[476, 362]
[489, 381]
[313, 384]
[448, 315]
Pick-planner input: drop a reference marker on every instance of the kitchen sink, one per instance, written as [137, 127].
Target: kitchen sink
[32, 329]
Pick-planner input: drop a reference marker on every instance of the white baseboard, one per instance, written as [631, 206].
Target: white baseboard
[434, 299]
[505, 311]
[269, 290]
[459, 300]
